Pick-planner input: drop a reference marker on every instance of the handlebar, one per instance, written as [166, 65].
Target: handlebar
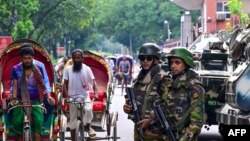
[78, 100]
[27, 105]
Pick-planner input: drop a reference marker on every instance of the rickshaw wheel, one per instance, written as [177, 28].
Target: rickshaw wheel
[79, 133]
[115, 132]
[108, 125]
[63, 122]
[62, 136]
[114, 123]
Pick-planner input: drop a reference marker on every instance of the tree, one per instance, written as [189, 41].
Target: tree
[46, 21]
[235, 7]
[15, 17]
[138, 20]
[62, 21]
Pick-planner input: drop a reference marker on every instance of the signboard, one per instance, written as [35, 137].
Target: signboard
[5, 41]
[60, 51]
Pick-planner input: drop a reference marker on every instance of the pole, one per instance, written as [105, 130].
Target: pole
[130, 45]
[69, 48]
[168, 32]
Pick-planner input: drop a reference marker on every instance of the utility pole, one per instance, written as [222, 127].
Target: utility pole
[130, 45]
[169, 32]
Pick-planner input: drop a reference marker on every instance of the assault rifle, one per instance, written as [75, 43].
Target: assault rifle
[163, 122]
[131, 96]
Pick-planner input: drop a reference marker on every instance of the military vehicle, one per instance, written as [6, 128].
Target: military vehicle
[236, 110]
[214, 68]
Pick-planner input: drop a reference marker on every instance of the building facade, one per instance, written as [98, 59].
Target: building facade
[215, 14]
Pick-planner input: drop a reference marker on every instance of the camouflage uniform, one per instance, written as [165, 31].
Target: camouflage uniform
[146, 90]
[183, 97]
[146, 94]
[184, 101]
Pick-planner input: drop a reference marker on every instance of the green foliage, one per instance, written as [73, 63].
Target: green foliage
[15, 17]
[22, 29]
[143, 20]
[244, 19]
[53, 60]
[106, 25]
[235, 6]
[47, 21]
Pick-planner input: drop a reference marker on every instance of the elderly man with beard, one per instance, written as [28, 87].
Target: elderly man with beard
[31, 84]
[78, 79]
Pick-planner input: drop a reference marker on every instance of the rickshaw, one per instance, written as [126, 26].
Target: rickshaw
[113, 58]
[8, 58]
[130, 59]
[103, 120]
[119, 76]
[113, 71]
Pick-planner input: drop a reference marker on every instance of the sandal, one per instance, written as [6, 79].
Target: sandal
[92, 133]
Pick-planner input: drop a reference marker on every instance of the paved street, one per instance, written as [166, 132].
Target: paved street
[125, 126]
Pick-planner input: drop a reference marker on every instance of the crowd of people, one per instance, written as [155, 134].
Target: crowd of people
[179, 90]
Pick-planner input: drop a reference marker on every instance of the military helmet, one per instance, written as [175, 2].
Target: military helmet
[183, 53]
[150, 49]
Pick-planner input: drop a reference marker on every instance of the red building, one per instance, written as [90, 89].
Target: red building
[214, 13]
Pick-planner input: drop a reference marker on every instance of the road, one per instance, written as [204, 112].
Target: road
[125, 126]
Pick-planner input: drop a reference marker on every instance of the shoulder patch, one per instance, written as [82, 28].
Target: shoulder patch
[197, 91]
[196, 95]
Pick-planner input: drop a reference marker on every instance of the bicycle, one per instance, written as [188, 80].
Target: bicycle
[79, 103]
[27, 106]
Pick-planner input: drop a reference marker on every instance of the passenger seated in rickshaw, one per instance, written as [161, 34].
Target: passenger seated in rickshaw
[31, 84]
[78, 79]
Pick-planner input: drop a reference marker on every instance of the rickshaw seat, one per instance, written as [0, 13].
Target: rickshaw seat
[99, 105]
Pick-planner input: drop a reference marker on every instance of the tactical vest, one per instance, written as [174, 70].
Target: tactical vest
[178, 100]
[146, 90]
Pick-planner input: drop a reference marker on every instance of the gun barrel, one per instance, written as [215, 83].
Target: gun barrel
[163, 122]
[132, 100]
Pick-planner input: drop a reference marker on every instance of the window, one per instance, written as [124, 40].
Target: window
[223, 8]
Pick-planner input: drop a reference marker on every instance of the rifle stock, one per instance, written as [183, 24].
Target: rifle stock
[163, 122]
[132, 100]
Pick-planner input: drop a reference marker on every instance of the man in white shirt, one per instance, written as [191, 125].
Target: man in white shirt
[78, 80]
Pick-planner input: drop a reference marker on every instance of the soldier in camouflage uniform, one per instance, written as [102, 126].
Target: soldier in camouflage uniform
[183, 96]
[146, 88]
